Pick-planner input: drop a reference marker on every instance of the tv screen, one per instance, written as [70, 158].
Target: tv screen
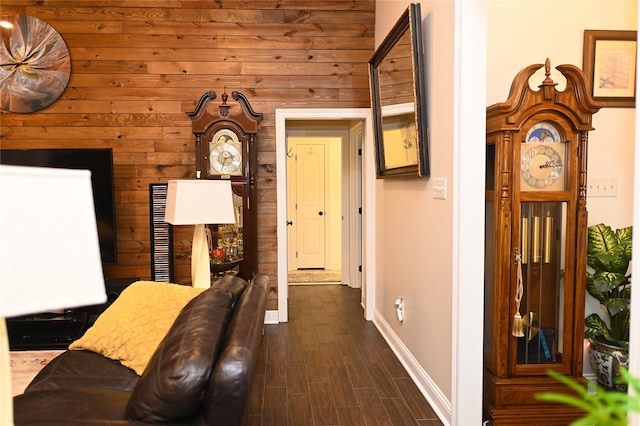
[97, 160]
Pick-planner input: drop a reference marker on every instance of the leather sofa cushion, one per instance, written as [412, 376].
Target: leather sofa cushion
[229, 389]
[174, 383]
[83, 369]
[70, 406]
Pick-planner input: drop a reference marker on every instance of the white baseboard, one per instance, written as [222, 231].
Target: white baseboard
[440, 404]
[271, 317]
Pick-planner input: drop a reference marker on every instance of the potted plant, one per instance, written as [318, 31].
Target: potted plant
[609, 282]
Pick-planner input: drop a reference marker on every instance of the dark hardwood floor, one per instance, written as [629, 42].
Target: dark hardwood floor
[328, 366]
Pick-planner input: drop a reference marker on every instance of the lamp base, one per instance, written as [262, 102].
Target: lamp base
[200, 268]
[6, 396]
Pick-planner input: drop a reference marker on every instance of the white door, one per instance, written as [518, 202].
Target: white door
[310, 211]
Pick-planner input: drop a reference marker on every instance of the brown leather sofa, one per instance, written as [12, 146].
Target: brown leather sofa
[200, 374]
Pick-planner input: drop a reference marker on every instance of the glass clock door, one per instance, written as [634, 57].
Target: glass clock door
[540, 283]
[228, 240]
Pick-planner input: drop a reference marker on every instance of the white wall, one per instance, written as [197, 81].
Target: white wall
[414, 230]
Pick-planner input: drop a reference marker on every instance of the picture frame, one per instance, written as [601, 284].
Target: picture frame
[609, 62]
[398, 100]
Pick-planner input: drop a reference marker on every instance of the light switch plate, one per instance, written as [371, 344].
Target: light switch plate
[602, 187]
[440, 188]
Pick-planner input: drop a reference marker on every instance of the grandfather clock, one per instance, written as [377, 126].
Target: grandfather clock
[226, 149]
[535, 245]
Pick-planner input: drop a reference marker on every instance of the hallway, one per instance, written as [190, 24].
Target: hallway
[328, 366]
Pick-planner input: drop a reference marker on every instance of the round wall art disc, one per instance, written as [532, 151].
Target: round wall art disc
[34, 64]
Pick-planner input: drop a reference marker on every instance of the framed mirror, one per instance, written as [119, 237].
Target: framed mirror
[398, 100]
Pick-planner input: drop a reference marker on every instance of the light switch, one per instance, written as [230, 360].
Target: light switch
[602, 187]
[440, 188]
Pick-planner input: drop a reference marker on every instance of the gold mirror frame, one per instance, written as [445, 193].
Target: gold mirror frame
[398, 100]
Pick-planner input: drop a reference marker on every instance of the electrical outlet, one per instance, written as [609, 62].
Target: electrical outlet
[602, 187]
[399, 305]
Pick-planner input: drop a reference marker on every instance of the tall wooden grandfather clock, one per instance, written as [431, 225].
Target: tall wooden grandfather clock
[226, 149]
[535, 245]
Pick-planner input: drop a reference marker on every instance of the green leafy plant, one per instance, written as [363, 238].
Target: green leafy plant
[602, 407]
[608, 280]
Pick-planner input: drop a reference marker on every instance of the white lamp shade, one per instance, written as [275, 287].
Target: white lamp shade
[49, 250]
[194, 202]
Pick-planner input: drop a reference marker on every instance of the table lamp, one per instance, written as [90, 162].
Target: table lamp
[199, 202]
[49, 251]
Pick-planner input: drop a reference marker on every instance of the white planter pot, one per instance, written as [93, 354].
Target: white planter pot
[606, 360]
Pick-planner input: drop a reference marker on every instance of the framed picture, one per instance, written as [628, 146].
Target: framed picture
[609, 62]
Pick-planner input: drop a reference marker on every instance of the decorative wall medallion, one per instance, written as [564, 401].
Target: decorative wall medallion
[34, 64]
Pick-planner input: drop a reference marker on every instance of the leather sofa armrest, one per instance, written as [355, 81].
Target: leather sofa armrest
[260, 280]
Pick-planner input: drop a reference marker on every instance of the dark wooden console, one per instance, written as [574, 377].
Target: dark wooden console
[57, 331]
[36, 332]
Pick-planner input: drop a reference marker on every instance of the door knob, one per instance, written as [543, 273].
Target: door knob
[320, 213]
[289, 223]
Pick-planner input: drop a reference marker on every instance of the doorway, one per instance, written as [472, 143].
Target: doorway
[315, 211]
[350, 127]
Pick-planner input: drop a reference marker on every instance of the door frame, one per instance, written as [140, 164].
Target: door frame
[368, 201]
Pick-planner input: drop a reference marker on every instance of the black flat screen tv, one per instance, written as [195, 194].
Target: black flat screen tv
[97, 160]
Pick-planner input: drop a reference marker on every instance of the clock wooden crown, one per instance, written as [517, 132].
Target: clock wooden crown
[523, 102]
[535, 244]
[205, 124]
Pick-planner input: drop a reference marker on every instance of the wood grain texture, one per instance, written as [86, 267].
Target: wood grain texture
[310, 377]
[137, 67]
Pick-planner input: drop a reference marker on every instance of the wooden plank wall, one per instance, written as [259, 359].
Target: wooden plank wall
[138, 66]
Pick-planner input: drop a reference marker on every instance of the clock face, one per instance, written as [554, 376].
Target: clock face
[541, 167]
[225, 154]
[225, 159]
[542, 159]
